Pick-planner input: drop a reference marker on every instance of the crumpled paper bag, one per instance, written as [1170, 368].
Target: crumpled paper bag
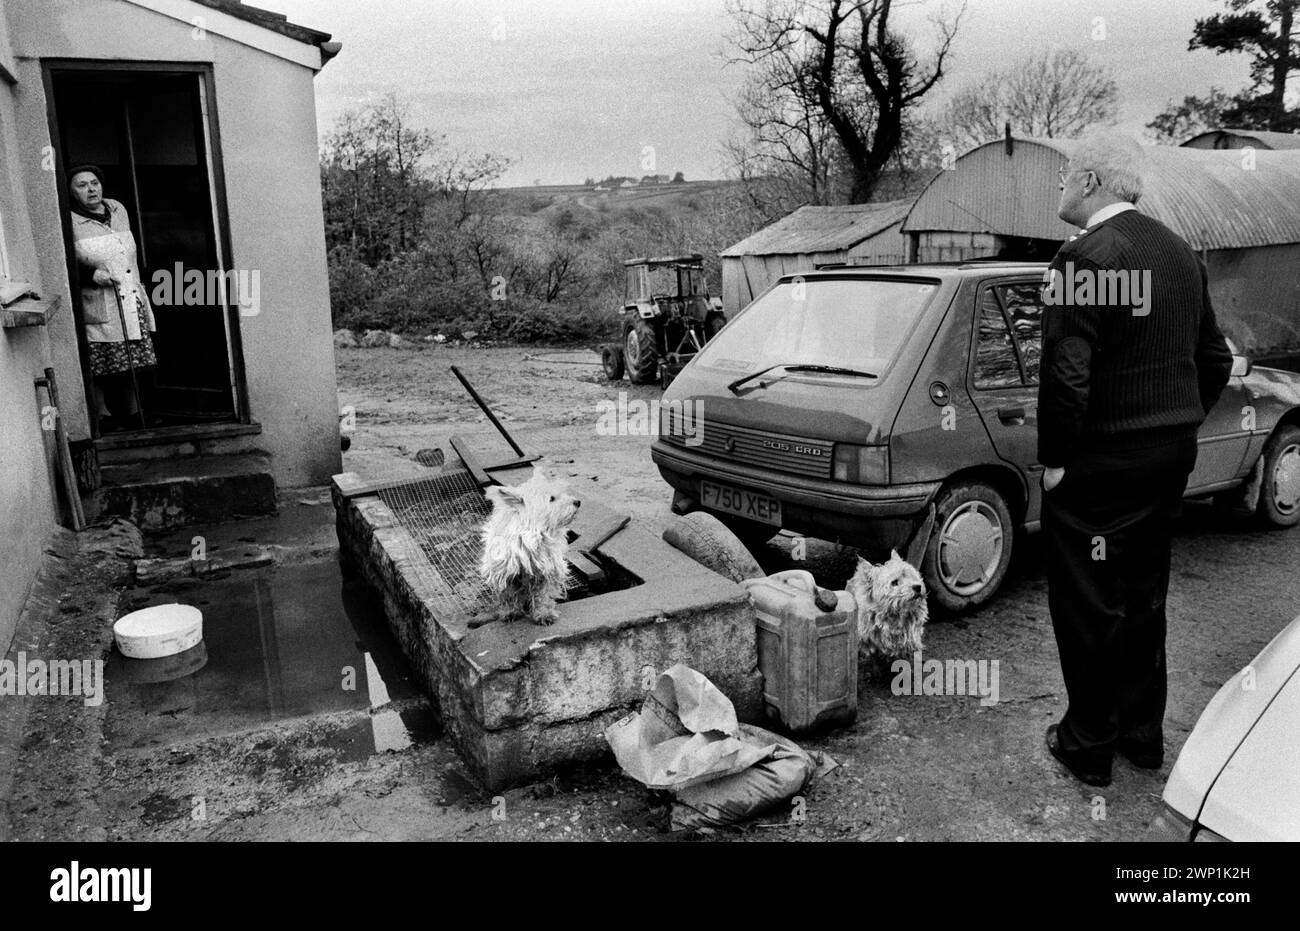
[686, 740]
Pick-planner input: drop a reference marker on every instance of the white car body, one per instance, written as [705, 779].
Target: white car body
[1238, 775]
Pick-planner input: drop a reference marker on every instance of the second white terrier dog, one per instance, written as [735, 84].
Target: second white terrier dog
[524, 543]
[892, 609]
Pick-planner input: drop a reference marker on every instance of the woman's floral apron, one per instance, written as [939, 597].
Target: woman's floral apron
[111, 247]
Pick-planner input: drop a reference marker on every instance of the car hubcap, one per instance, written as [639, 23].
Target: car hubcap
[1286, 480]
[970, 547]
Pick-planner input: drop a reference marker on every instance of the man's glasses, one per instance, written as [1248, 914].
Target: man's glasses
[1066, 172]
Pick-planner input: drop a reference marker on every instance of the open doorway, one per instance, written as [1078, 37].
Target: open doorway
[149, 133]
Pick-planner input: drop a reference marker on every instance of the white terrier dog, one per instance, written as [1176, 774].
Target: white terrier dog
[892, 610]
[524, 542]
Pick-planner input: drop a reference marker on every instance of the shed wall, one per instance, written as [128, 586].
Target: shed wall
[267, 122]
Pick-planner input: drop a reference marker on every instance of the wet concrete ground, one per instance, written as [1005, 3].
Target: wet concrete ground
[278, 643]
[263, 741]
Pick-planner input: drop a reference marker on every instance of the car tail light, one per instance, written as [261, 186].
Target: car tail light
[863, 465]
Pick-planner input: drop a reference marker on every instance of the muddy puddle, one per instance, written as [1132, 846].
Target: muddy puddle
[278, 643]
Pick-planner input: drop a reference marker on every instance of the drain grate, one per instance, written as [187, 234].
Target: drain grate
[445, 513]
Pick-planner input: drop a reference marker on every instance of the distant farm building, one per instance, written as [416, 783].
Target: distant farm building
[1242, 139]
[858, 234]
[1000, 200]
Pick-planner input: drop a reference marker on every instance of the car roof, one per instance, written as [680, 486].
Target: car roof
[968, 269]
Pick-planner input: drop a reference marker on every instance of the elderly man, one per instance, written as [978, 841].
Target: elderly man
[1132, 363]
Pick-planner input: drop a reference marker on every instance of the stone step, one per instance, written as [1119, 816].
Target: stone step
[168, 493]
[221, 439]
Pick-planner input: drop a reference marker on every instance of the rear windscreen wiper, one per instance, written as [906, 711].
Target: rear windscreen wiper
[801, 367]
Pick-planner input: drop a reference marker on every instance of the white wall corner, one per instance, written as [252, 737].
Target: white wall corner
[199, 17]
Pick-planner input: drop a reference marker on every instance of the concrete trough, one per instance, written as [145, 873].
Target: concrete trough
[521, 700]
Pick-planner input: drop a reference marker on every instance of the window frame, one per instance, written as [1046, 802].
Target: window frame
[1015, 338]
[985, 289]
[995, 286]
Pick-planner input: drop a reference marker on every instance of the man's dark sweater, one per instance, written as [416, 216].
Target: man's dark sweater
[1133, 375]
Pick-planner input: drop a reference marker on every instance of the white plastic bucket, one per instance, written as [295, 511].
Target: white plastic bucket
[163, 630]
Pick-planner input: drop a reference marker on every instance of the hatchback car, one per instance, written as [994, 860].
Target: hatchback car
[1238, 774]
[897, 406]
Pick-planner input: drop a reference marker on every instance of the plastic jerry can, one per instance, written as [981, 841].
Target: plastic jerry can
[807, 650]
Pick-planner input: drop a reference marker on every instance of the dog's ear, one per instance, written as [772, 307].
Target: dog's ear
[893, 554]
[540, 474]
[504, 496]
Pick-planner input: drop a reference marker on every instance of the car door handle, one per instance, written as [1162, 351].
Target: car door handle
[1012, 416]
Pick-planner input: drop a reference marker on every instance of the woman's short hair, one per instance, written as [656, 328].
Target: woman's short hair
[1116, 158]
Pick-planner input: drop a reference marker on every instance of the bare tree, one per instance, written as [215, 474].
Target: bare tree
[373, 169]
[785, 153]
[842, 60]
[1056, 94]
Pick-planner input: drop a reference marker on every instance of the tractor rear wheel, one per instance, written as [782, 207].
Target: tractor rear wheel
[611, 360]
[639, 353]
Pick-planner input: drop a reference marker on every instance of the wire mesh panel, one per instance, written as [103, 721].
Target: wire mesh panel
[445, 514]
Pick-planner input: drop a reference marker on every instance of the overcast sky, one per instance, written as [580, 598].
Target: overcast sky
[569, 89]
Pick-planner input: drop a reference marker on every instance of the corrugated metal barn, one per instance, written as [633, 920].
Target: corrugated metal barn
[1243, 139]
[1241, 211]
[858, 234]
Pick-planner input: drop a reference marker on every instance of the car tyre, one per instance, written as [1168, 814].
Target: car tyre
[969, 551]
[639, 353]
[1279, 491]
[707, 540]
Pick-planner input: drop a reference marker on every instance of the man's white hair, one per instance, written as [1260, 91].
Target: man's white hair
[1117, 159]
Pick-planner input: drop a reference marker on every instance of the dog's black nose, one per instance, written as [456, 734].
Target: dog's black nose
[916, 589]
[577, 504]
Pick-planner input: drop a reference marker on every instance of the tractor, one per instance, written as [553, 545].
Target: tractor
[668, 316]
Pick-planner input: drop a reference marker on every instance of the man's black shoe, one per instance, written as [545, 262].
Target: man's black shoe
[1091, 778]
[1141, 755]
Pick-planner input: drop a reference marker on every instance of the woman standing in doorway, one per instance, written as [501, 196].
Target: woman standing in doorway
[115, 308]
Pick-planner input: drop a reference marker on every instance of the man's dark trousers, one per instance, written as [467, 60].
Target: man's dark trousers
[1108, 525]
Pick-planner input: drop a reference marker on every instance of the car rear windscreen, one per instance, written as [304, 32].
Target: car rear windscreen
[856, 323]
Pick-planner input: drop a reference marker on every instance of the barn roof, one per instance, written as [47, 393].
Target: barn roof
[1264, 138]
[821, 229]
[1213, 198]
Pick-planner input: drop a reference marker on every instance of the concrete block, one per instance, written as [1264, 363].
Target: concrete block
[520, 700]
